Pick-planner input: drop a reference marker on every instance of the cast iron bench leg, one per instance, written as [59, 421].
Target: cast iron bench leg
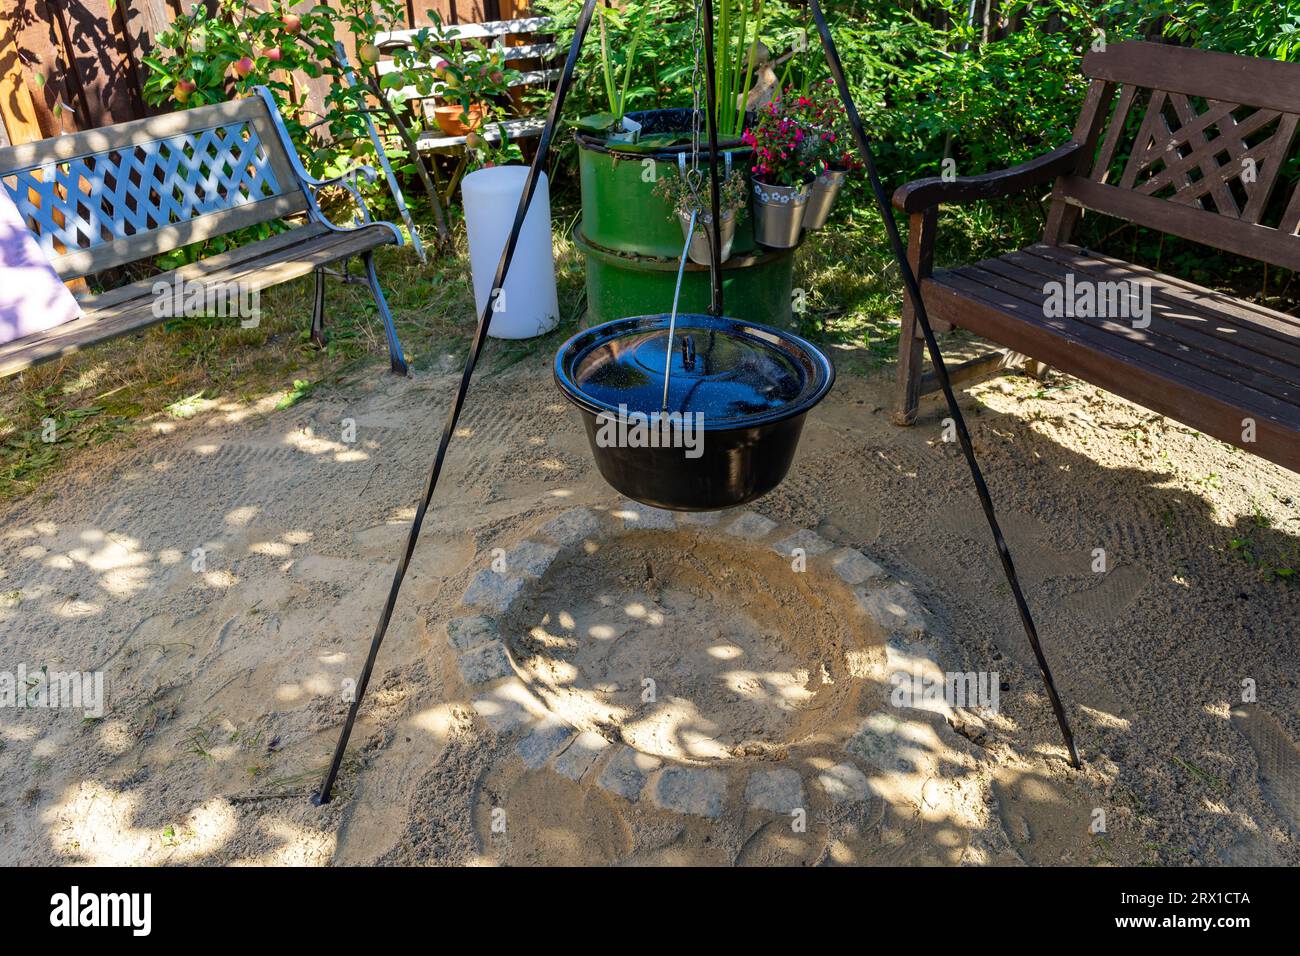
[394, 347]
[318, 310]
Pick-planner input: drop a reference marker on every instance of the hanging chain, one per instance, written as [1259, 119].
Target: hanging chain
[691, 181]
[693, 176]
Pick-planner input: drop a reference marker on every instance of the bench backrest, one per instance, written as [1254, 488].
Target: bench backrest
[1194, 144]
[109, 196]
[495, 34]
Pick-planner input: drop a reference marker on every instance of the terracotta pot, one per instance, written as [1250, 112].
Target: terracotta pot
[449, 120]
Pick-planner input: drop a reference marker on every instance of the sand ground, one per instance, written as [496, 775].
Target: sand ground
[224, 677]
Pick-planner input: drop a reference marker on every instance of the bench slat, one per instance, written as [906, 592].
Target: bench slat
[260, 264]
[110, 196]
[1112, 341]
[1022, 277]
[132, 133]
[1218, 76]
[1208, 401]
[1231, 235]
[1134, 346]
[1277, 441]
[200, 270]
[146, 244]
[1267, 331]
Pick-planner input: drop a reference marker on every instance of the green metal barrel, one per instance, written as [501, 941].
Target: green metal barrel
[619, 206]
[756, 287]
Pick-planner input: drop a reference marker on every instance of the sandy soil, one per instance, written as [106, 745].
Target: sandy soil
[225, 683]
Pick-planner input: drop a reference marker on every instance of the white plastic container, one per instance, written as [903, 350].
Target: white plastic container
[528, 305]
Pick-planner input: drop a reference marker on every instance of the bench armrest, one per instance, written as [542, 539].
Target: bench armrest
[347, 178]
[922, 194]
[311, 185]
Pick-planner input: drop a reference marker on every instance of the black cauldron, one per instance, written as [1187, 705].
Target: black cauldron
[738, 393]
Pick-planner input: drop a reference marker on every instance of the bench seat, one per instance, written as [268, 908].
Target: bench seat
[1207, 359]
[259, 265]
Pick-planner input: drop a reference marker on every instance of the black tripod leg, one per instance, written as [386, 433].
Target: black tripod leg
[914, 293]
[480, 336]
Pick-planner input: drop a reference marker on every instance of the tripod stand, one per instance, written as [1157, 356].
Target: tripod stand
[912, 289]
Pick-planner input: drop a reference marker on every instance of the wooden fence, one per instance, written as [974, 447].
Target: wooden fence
[87, 56]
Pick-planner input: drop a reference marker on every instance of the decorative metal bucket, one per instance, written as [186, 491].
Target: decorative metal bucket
[825, 189]
[778, 214]
[699, 249]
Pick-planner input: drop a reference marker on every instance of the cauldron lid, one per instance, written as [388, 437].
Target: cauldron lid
[737, 374]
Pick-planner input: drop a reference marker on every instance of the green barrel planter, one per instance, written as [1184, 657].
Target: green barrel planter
[632, 242]
[619, 207]
[756, 287]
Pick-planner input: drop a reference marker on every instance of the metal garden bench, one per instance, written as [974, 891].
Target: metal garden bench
[124, 193]
[1186, 142]
[495, 33]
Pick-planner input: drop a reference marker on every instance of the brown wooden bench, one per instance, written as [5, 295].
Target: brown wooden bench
[125, 193]
[1186, 142]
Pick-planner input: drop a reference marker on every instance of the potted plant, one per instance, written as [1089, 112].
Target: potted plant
[784, 167]
[832, 148]
[468, 77]
[689, 195]
[471, 82]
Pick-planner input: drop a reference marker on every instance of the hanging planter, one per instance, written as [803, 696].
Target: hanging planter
[823, 114]
[689, 195]
[778, 214]
[784, 160]
[700, 251]
[821, 200]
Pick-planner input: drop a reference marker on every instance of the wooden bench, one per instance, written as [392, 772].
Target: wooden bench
[1186, 142]
[122, 194]
[514, 38]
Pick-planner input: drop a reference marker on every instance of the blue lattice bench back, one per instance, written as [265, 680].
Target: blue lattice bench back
[124, 193]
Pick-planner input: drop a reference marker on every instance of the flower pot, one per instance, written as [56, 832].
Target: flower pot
[700, 251]
[449, 119]
[825, 189]
[778, 214]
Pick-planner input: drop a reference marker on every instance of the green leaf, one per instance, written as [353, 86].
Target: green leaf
[596, 122]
